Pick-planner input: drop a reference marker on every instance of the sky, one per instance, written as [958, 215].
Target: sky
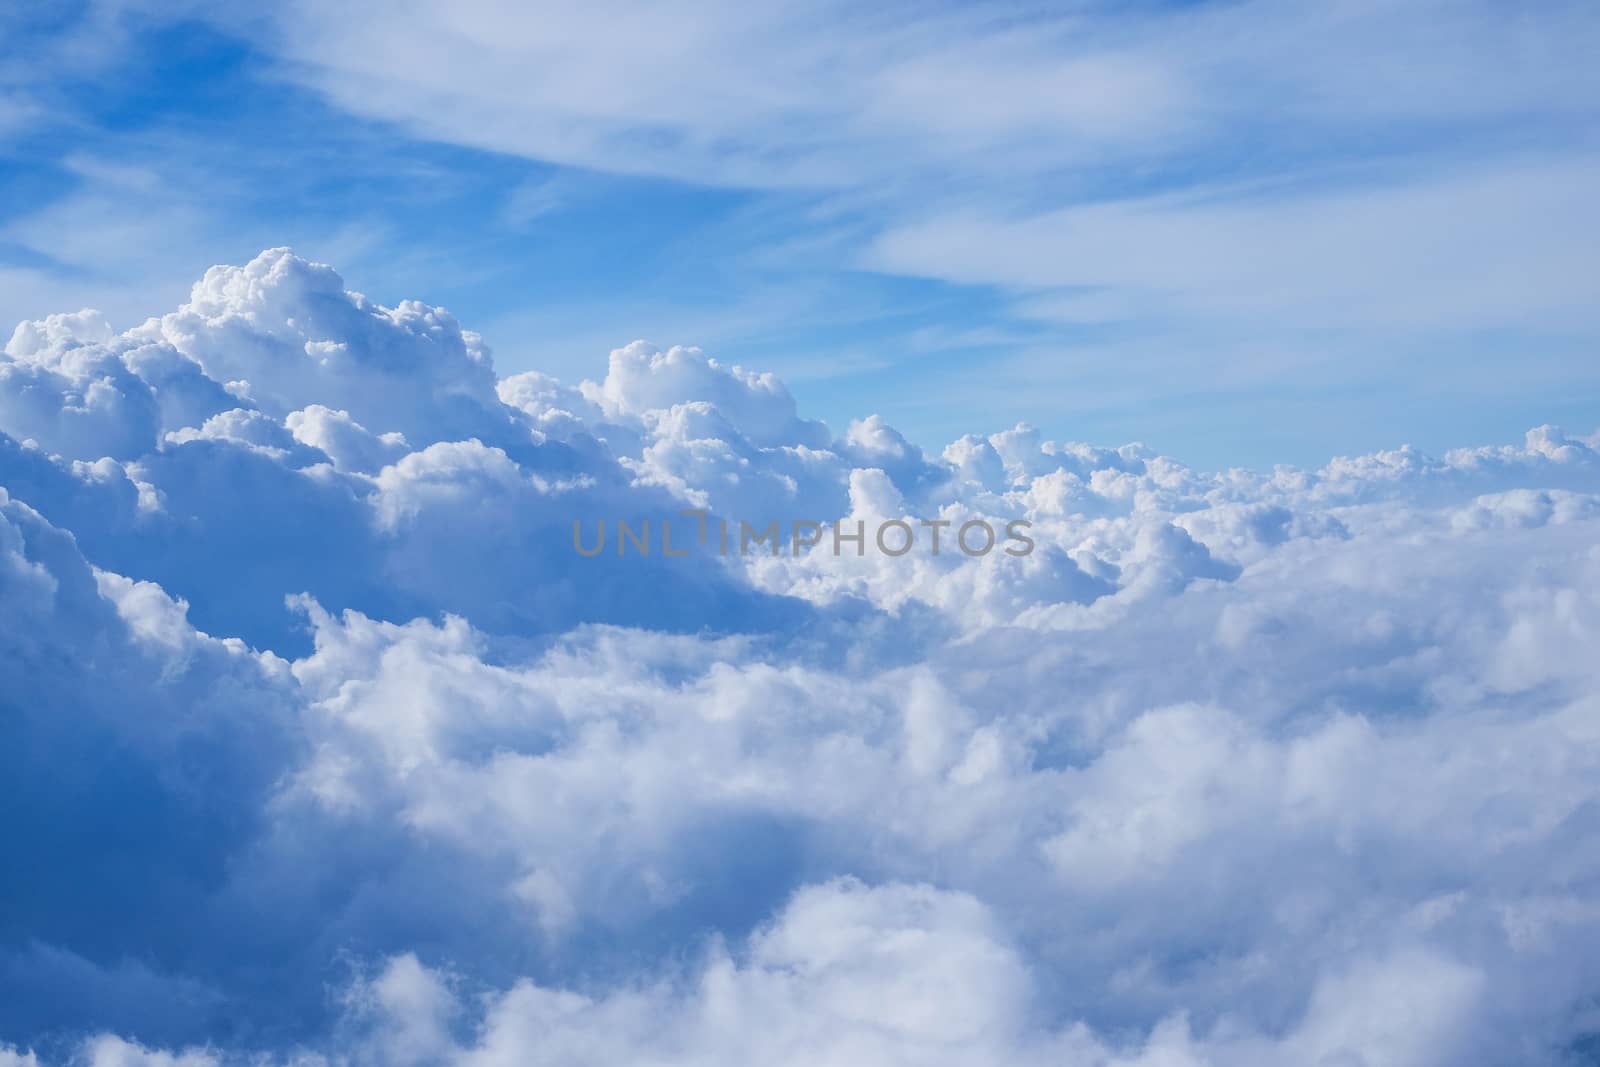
[369, 358]
[1233, 231]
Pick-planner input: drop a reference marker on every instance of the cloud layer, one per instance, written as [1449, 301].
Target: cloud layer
[323, 745]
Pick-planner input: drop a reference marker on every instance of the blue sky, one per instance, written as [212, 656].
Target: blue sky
[1241, 234]
[320, 743]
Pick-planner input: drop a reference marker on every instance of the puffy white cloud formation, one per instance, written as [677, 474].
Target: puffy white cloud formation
[1236, 768]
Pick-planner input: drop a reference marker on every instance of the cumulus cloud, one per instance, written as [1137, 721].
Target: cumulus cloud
[59, 384]
[287, 331]
[322, 744]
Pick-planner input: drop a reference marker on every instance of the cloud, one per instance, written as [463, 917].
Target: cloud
[1279, 190]
[325, 746]
[284, 331]
[1509, 245]
[228, 390]
[830, 96]
[63, 386]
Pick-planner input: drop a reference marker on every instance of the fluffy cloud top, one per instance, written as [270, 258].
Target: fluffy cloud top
[323, 745]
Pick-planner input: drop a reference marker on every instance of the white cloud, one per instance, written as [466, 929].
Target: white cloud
[1234, 768]
[1306, 166]
[833, 96]
[289, 334]
[1510, 245]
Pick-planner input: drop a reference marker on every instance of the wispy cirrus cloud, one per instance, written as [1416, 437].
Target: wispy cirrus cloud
[1507, 245]
[840, 96]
